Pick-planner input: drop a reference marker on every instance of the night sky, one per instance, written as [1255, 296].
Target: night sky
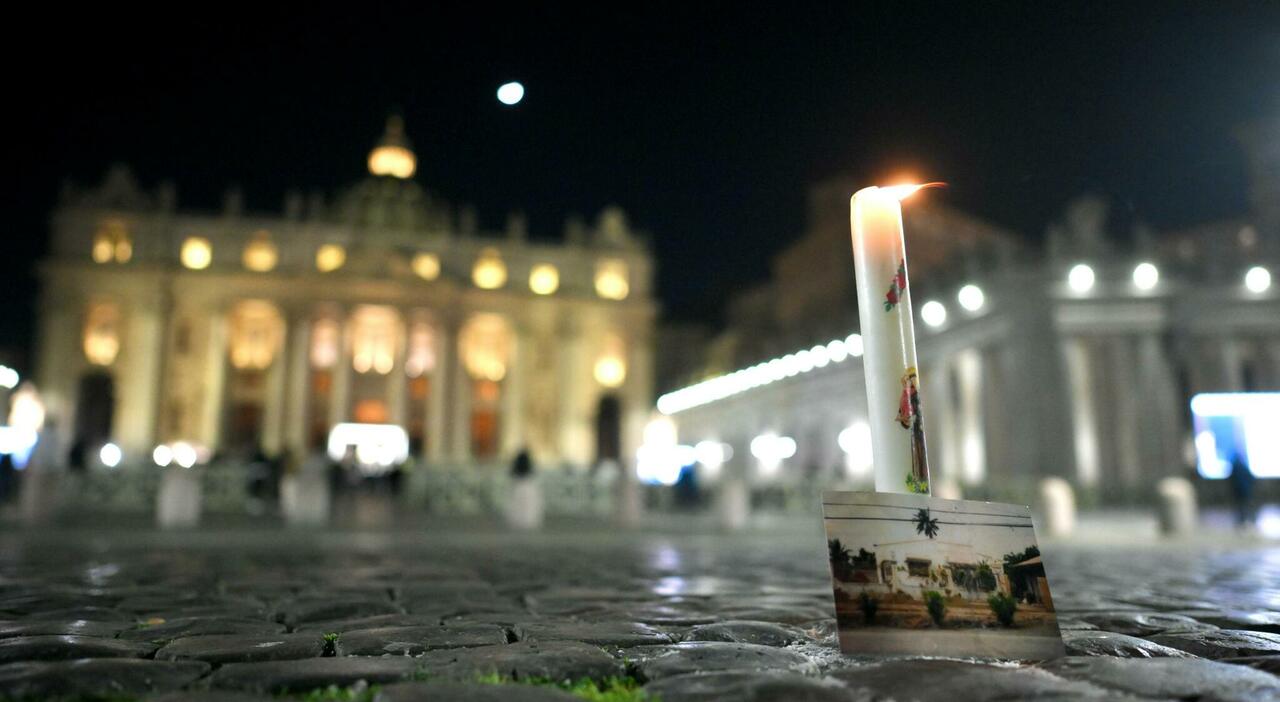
[706, 124]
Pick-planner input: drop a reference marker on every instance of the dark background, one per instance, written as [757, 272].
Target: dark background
[706, 123]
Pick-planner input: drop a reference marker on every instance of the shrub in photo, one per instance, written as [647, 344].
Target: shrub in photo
[937, 606]
[1004, 606]
[869, 606]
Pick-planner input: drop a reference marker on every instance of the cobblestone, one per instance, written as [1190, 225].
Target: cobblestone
[237, 617]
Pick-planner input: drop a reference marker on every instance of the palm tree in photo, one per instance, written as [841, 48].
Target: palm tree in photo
[925, 525]
[840, 556]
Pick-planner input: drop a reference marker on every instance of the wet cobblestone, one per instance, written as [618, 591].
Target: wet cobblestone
[244, 616]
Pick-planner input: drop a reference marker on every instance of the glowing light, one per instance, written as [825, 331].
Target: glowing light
[392, 156]
[110, 455]
[510, 93]
[933, 313]
[660, 460]
[426, 266]
[1236, 425]
[184, 454]
[489, 272]
[853, 343]
[26, 409]
[421, 357]
[485, 344]
[374, 339]
[103, 249]
[256, 331]
[1145, 276]
[712, 454]
[1081, 278]
[162, 455]
[1257, 280]
[771, 450]
[111, 242]
[260, 256]
[837, 351]
[855, 441]
[377, 446]
[610, 372]
[330, 257]
[196, 253]
[8, 378]
[611, 280]
[544, 279]
[819, 356]
[971, 298]
[324, 343]
[18, 443]
[902, 192]
[102, 334]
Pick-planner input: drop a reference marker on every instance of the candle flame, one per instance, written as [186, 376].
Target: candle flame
[902, 192]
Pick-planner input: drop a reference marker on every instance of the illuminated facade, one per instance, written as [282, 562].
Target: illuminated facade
[236, 330]
[1076, 361]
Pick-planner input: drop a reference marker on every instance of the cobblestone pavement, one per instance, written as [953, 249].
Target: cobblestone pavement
[250, 616]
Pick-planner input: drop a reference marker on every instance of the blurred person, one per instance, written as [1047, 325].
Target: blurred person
[525, 507]
[1242, 480]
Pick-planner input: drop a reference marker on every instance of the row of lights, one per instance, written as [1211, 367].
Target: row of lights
[180, 453]
[1081, 278]
[762, 373]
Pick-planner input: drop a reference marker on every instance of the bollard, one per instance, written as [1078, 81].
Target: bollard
[178, 500]
[304, 499]
[1178, 511]
[1058, 505]
[735, 504]
[525, 506]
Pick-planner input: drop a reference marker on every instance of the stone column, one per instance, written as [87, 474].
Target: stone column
[298, 360]
[940, 413]
[1083, 416]
[443, 337]
[573, 372]
[138, 380]
[970, 420]
[1231, 355]
[396, 379]
[637, 393]
[273, 406]
[459, 404]
[340, 396]
[1160, 424]
[215, 373]
[61, 359]
[1125, 393]
[512, 423]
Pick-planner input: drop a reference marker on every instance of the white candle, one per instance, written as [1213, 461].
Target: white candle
[889, 342]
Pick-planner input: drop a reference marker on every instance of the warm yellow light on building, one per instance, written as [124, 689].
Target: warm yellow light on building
[544, 279]
[103, 249]
[373, 340]
[485, 345]
[330, 257]
[421, 356]
[260, 256]
[324, 343]
[611, 367]
[111, 243]
[611, 280]
[392, 156]
[256, 330]
[197, 253]
[489, 273]
[102, 334]
[426, 266]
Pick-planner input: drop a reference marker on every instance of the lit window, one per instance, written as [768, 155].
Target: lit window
[489, 273]
[373, 340]
[611, 280]
[324, 343]
[255, 333]
[426, 266]
[485, 345]
[330, 257]
[544, 279]
[111, 243]
[611, 367]
[197, 253]
[421, 358]
[102, 334]
[260, 255]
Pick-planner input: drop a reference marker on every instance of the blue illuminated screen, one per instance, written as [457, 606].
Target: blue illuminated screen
[1237, 425]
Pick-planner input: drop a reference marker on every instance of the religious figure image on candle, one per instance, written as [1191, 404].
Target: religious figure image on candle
[920, 575]
[896, 287]
[910, 419]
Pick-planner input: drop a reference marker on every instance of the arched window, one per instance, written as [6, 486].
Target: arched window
[112, 243]
[421, 359]
[611, 365]
[485, 344]
[373, 340]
